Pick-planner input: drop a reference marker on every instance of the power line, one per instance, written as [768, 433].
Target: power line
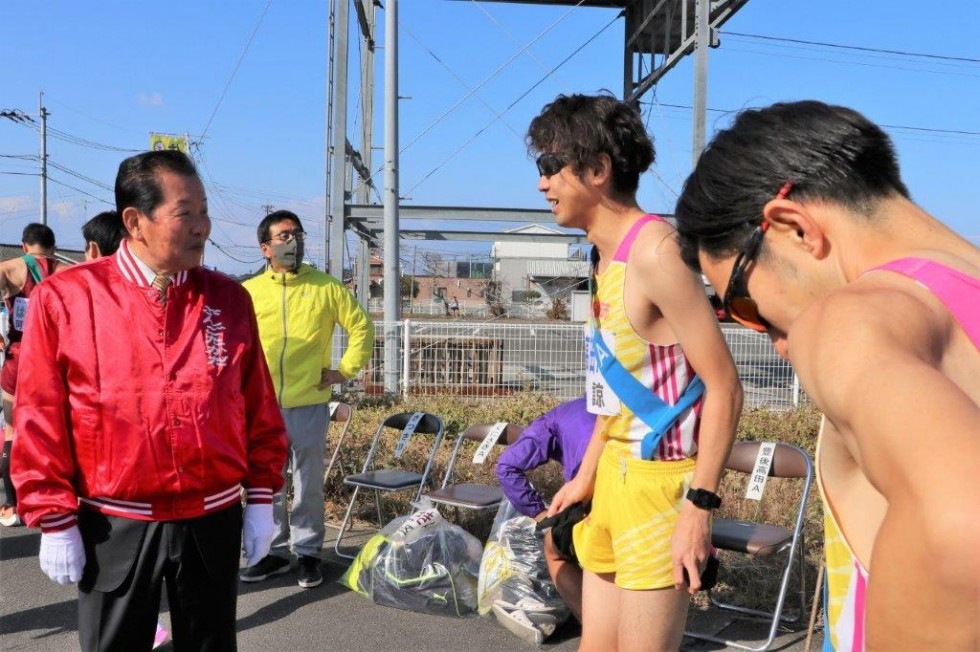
[515, 102]
[241, 58]
[239, 260]
[79, 175]
[23, 119]
[860, 48]
[480, 85]
[62, 183]
[934, 130]
[853, 63]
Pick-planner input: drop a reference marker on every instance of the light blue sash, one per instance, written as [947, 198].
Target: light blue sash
[641, 401]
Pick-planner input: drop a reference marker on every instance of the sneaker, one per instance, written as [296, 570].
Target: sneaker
[161, 637]
[519, 623]
[266, 568]
[9, 516]
[310, 574]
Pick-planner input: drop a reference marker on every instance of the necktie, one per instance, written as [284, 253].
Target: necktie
[161, 282]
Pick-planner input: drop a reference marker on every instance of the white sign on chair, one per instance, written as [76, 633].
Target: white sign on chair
[763, 461]
[407, 433]
[489, 442]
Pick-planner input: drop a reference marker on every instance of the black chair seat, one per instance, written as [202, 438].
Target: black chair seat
[385, 479]
[474, 496]
[756, 539]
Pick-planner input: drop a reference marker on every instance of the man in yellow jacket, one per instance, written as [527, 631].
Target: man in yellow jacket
[297, 308]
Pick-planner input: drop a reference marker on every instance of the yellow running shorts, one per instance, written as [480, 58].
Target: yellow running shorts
[634, 508]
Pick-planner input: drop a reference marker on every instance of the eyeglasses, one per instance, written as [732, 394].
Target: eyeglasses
[286, 237]
[737, 303]
[550, 164]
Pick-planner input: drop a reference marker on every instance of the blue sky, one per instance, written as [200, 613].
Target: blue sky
[115, 70]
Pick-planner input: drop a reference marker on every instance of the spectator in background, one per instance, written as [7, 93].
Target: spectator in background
[454, 306]
[561, 435]
[18, 277]
[102, 234]
[146, 409]
[298, 307]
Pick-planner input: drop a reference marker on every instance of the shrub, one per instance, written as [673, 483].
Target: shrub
[753, 579]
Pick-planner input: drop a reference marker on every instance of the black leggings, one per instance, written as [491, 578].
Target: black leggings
[8, 496]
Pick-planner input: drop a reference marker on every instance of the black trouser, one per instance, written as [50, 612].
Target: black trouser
[126, 563]
[8, 495]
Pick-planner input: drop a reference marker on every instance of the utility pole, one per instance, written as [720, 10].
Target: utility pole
[44, 158]
[337, 183]
[267, 208]
[392, 297]
[702, 38]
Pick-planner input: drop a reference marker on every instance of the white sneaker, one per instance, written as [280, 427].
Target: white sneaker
[533, 626]
[12, 519]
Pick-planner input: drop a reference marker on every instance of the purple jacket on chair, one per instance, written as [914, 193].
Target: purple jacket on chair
[561, 435]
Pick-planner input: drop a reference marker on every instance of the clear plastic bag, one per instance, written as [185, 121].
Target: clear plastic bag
[419, 563]
[514, 581]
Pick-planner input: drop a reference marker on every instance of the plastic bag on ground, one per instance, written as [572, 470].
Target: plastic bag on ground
[514, 581]
[419, 563]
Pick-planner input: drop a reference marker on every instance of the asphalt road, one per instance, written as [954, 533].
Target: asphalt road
[37, 614]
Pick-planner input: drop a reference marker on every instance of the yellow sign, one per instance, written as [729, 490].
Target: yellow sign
[159, 142]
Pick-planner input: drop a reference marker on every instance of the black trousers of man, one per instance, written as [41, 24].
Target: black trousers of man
[126, 563]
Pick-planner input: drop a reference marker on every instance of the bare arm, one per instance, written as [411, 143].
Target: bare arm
[582, 486]
[681, 299]
[914, 434]
[5, 280]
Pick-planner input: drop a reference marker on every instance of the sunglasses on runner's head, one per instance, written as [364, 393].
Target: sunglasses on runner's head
[550, 164]
[737, 303]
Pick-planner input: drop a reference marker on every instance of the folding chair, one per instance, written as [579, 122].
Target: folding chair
[340, 413]
[393, 479]
[760, 461]
[468, 495]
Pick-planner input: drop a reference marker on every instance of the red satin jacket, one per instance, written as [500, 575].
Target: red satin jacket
[140, 408]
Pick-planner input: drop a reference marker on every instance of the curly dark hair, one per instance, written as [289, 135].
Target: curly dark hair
[580, 128]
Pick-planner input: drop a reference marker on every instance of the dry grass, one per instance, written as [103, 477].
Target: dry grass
[750, 581]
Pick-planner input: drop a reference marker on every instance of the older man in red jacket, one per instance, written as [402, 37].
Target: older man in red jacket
[145, 410]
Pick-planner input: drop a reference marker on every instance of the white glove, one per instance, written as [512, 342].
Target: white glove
[259, 530]
[63, 555]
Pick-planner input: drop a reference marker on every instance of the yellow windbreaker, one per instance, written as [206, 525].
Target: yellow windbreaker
[296, 315]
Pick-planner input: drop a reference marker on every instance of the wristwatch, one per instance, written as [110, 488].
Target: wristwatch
[704, 499]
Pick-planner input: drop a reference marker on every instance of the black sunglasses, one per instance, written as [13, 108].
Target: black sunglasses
[737, 303]
[550, 164]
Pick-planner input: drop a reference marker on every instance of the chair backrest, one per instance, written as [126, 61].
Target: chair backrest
[429, 424]
[425, 424]
[340, 412]
[787, 461]
[479, 433]
[784, 461]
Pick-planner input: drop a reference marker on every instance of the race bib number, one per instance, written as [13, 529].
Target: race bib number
[763, 462]
[407, 433]
[20, 313]
[599, 395]
[489, 442]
